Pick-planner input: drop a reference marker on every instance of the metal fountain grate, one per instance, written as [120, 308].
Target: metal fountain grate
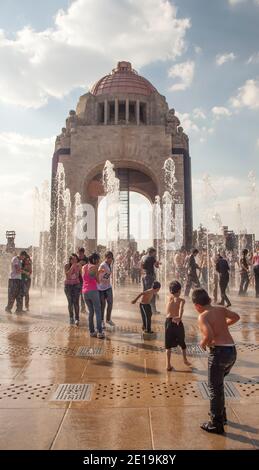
[25, 391]
[248, 388]
[247, 347]
[229, 389]
[115, 391]
[73, 392]
[193, 350]
[174, 390]
[18, 350]
[86, 351]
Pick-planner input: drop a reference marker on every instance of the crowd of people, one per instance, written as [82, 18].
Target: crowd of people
[88, 284]
[19, 283]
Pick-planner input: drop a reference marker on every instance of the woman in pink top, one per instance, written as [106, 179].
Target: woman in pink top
[256, 272]
[91, 295]
[73, 287]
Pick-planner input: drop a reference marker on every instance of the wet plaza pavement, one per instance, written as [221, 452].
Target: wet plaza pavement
[61, 389]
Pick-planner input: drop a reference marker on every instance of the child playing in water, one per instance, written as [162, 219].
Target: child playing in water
[213, 324]
[174, 329]
[145, 307]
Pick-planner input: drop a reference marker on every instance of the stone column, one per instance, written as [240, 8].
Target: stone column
[105, 112]
[127, 110]
[137, 112]
[116, 110]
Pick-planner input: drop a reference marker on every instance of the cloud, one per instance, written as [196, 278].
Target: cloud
[198, 113]
[237, 2]
[26, 163]
[221, 111]
[222, 196]
[184, 72]
[254, 58]
[25, 147]
[198, 50]
[223, 58]
[83, 45]
[247, 95]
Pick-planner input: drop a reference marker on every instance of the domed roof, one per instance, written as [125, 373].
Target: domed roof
[123, 79]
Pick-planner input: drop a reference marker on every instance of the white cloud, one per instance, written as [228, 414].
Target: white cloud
[254, 58]
[184, 72]
[26, 163]
[83, 45]
[223, 58]
[236, 2]
[247, 95]
[198, 49]
[187, 122]
[25, 147]
[198, 113]
[221, 111]
[222, 196]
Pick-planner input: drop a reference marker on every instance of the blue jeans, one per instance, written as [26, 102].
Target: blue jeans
[221, 360]
[106, 296]
[92, 300]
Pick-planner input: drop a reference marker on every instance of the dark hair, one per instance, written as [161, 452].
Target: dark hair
[174, 287]
[94, 258]
[81, 250]
[151, 250]
[156, 285]
[74, 255]
[109, 254]
[195, 251]
[23, 253]
[245, 252]
[201, 297]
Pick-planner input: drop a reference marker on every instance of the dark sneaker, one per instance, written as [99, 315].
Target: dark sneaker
[100, 335]
[20, 311]
[228, 305]
[72, 321]
[225, 420]
[8, 310]
[213, 428]
[93, 335]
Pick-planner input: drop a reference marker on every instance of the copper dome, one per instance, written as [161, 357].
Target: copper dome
[123, 79]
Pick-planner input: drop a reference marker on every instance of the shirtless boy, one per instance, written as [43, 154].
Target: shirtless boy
[174, 329]
[145, 305]
[213, 323]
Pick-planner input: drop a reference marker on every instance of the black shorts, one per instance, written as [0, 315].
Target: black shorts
[174, 334]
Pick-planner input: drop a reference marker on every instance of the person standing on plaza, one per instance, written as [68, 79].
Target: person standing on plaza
[213, 323]
[244, 273]
[15, 292]
[256, 271]
[222, 268]
[90, 274]
[26, 280]
[192, 278]
[72, 288]
[105, 288]
[174, 328]
[148, 265]
[82, 260]
[145, 306]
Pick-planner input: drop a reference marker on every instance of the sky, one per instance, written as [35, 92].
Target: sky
[203, 56]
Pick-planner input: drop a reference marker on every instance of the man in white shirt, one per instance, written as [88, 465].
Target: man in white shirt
[15, 283]
[105, 287]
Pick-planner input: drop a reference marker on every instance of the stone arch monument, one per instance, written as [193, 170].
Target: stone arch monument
[124, 119]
